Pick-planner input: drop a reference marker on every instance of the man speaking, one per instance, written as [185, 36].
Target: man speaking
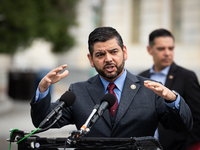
[140, 103]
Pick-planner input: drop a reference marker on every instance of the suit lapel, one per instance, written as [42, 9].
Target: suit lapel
[171, 75]
[127, 96]
[96, 91]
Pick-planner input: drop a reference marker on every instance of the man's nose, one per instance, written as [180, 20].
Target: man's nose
[167, 51]
[108, 57]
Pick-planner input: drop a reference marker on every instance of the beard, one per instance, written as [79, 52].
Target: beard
[102, 73]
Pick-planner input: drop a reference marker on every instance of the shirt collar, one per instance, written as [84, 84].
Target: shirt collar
[164, 71]
[119, 82]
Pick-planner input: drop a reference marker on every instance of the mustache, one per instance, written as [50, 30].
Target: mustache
[109, 64]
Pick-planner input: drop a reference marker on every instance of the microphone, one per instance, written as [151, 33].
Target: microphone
[107, 102]
[84, 127]
[66, 100]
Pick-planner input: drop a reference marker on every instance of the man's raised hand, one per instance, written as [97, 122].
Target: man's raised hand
[52, 77]
[160, 90]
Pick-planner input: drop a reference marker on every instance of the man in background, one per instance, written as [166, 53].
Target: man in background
[161, 48]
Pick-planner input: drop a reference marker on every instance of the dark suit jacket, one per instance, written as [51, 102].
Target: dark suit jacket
[139, 110]
[186, 84]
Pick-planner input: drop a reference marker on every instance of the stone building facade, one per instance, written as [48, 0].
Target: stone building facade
[135, 19]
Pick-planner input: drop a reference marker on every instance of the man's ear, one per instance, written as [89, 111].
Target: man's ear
[90, 59]
[125, 53]
[149, 50]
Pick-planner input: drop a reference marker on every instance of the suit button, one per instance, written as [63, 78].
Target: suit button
[183, 117]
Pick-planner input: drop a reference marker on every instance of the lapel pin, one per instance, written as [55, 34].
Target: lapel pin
[133, 86]
[171, 76]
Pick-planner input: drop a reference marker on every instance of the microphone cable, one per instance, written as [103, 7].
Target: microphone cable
[22, 138]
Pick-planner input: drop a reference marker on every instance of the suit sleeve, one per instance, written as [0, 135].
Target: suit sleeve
[180, 121]
[42, 108]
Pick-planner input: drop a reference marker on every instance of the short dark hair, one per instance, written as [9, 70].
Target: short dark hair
[103, 34]
[159, 33]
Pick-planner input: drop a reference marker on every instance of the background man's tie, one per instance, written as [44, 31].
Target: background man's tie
[110, 88]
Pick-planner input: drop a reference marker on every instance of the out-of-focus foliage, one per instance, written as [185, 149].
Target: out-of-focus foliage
[22, 21]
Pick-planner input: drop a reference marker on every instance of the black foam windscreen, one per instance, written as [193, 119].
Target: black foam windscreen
[68, 97]
[110, 98]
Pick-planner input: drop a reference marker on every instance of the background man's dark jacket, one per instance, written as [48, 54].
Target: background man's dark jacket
[186, 84]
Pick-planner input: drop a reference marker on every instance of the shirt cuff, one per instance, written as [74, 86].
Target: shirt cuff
[176, 104]
[39, 95]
